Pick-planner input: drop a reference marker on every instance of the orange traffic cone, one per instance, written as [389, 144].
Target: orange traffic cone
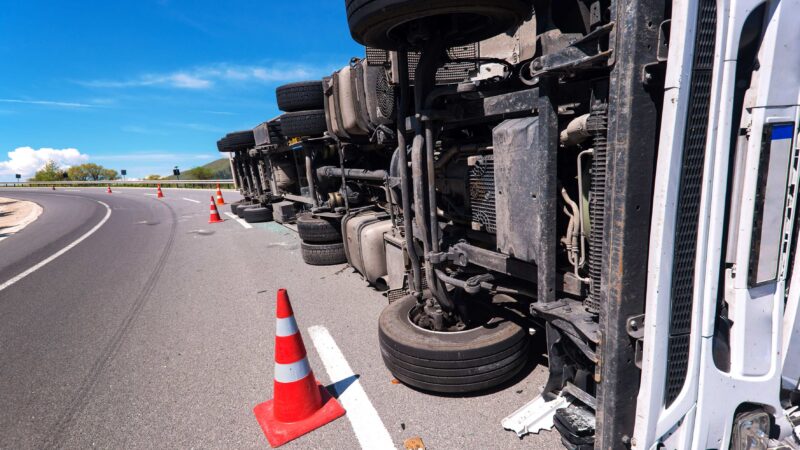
[214, 218]
[160, 194]
[220, 200]
[301, 404]
[109, 189]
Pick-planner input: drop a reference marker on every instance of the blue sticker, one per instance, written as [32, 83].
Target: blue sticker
[782, 132]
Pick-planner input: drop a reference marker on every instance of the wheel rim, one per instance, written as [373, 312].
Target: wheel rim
[468, 329]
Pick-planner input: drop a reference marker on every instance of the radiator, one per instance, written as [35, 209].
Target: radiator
[481, 193]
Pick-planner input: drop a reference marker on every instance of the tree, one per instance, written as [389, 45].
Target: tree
[201, 173]
[109, 174]
[50, 172]
[153, 177]
[91, 172]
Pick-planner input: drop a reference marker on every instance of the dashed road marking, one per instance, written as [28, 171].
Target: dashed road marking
[242, 222]
[60, 252]
[369, 429]
[152, 194]
[190, 200]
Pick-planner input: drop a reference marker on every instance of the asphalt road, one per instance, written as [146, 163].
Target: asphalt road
[157, 330]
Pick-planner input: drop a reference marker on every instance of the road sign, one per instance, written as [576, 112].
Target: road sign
[18, 176]
[123, 172]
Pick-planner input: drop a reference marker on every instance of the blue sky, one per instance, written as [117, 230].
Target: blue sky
[144, 85]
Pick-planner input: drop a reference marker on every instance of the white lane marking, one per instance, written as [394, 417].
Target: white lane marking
[72, 190]
[33, 214]
[366, 423]
[152, 194]
[190, 200]
[242, 222]
[60, 252]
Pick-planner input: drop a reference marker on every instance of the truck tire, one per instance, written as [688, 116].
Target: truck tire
[240, 209]
[323, 254]
[384, 23]
[318, 230]
[304, 123]
[237, 141]
[240, 204]
[255, 214]
[300, 96]
[450, 362]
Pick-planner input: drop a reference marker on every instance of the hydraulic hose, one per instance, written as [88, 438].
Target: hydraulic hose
[423, 166]
[416, 285]
[417, 177]
[432, 207]
[312, 189]
[353, 174]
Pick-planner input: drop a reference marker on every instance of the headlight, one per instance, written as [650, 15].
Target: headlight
[751, 431]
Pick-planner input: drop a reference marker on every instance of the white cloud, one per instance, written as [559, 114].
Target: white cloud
[150, 157]
[47, 103]
[138, 129]
[188, 81]
[204, 77]
[202, 127]
[26, 160]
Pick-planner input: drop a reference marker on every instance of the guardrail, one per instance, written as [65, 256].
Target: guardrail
[180, 184]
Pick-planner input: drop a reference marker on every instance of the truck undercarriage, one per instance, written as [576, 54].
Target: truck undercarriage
[520, 175]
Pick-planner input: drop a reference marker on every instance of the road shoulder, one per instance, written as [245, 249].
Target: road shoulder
[16, 215]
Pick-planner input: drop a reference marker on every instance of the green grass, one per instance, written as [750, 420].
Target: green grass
[221, 169]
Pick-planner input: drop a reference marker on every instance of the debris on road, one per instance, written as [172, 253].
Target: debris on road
[414, 443]
[535, 416]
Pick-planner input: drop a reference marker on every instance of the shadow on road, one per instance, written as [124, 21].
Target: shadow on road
[336, 389]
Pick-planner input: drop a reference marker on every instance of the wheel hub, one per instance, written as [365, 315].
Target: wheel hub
[429, 315]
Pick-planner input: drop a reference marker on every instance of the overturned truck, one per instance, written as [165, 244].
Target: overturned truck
[613, 183]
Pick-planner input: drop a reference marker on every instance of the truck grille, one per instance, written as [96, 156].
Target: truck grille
[598, 126]
[396, 294]
[481, 193]
[688, 208]
[450, 73]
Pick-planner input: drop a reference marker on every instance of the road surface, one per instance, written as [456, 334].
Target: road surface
[156, 329]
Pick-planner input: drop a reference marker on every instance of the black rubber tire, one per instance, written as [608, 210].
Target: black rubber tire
[384, 23]
[256, 214]
[300, 96]
[318, 230]
[304, 123]
[323, 254]
[474, 360]
[237, 141]
[240, 209]
[234, 206]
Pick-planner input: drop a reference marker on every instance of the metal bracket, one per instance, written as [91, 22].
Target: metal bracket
[635, 328]
[653, 74]
[437, 258]
[582, 53]
[463, 254]
[580, 394]
[662, 52]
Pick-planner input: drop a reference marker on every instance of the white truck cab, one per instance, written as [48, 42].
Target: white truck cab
[721, 355]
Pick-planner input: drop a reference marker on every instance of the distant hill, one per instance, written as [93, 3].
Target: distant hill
[221, 169]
